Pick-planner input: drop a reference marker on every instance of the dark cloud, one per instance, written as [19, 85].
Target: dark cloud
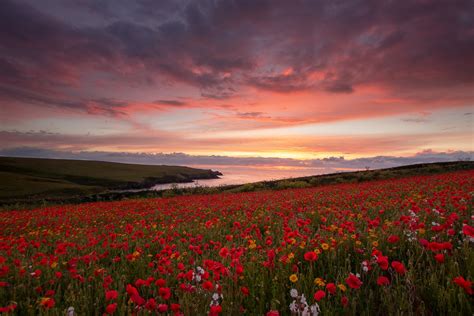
[171, 102]
[221, 46]
[104, 106]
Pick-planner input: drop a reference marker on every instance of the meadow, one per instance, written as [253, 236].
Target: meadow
[393, 246]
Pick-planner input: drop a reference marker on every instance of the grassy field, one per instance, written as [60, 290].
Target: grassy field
[384, 247]
[30, 183]
[34, 178]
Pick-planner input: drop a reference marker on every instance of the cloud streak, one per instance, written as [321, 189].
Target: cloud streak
[330, 163]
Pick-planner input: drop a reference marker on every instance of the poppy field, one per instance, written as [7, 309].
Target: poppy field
[400, 246]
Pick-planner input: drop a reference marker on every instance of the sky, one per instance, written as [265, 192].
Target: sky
[270, 81]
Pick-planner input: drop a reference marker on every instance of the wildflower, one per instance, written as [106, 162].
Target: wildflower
[165, 292]
[382, 261]
[151, 304]
[162, 308]
[215, 310]
[393, 239]
[319, 295]
[245, 291]
[47, 302]
[331, 288]
[272, 313]
[110, 309]
[293, 278]
[319, 282]
[8, 308]
[224, 252]
[175, 307]
[344, 301]
[310, 256]
[70, 311]
[315, 310]
[382, 280]
[294, 293]
[252, 244]
[465, 284]
[353, 281]
[207, 285]
[324, 246]
[342, 287]
[439, 257]
[111, 295]
[399, 267]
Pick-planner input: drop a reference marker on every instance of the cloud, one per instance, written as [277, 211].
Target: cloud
[171, 102]
[274, 63]
[329, 163]
[330, 46]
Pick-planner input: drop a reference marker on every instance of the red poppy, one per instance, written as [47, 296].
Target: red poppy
[383, 280]
[311, 256]
[399, 267]
[175, 307]
[468, 230]
[382, 262]
[439, 257]
[319, 295]
[110, 309]
[224, 252]
[465, 284]
[344, 301]
[165, 292]
[151, 304]
[207, 285]
[331, 288]
[8, 308]
[353, 281]
[47, 302]
[393, 239]
[111, 295]
[215, 310]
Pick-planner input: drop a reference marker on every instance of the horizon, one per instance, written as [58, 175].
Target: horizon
[268, 81]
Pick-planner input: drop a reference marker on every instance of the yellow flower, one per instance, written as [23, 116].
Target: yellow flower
[421, 231]
[302, 245]
[358, 243]
[319, 282]
[325, 246]
[317, 251]
[375, 243]
[342, 287]
[291, 255]
[53, 264]
[293, 278]
[252, 244]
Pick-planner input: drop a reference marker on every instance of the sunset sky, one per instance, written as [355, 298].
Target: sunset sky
[285, 79]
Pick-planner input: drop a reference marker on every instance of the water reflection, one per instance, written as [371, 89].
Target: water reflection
[248, 174]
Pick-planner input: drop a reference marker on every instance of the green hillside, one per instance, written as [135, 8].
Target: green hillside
[51, 178]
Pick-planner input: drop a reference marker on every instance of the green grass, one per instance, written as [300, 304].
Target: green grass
[57, 178]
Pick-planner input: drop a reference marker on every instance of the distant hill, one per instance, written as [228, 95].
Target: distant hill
[38, 178]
